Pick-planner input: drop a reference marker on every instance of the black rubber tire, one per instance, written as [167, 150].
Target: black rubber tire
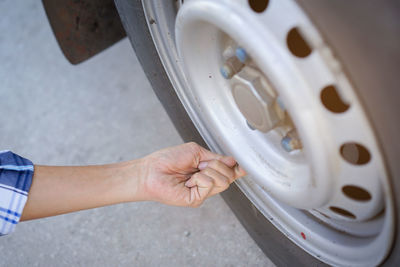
[275, 245]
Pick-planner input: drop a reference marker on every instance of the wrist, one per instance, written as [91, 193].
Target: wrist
[132, 174]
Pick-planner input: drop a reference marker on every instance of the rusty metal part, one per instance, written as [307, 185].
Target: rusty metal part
[83, 28]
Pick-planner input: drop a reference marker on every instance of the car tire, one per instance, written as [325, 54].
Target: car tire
[281, 250]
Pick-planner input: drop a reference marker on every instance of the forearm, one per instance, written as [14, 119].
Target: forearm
[59, 190]
[171, 176]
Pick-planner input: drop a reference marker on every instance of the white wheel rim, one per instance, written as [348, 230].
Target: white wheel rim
[207, 99]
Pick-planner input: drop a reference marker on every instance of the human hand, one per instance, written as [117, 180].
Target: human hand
[186, 175]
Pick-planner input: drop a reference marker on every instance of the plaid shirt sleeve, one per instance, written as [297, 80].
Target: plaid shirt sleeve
[15, 180]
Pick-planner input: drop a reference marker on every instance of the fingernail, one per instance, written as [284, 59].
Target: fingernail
[230, 161]
[240, 169]
[202, 165]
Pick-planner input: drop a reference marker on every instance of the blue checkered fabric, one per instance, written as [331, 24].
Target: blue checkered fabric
[15, 180]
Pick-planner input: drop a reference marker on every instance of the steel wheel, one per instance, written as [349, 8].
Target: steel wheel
[329, 193]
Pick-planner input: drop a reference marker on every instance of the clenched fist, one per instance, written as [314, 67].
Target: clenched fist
[186, 175]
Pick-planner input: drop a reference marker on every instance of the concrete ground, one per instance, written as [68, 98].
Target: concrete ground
[100, 111]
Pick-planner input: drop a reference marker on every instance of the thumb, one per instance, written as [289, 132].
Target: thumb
[207, 155]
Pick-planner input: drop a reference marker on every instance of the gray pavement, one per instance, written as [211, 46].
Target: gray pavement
[101, 111]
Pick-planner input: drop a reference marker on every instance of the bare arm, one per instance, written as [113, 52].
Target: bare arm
[172, 176]
[58, 190]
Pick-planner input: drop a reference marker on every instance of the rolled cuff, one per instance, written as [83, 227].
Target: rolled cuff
[16, 175]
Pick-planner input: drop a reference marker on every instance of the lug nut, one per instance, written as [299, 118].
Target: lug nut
[291, 142]
[231, 66]
[241, 54]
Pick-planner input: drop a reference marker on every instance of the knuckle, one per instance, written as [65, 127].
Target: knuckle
[207, 172]
[203, 179]
[209, 182]
[215, 164]
[225, 184]
[193, 145]
[196, 175]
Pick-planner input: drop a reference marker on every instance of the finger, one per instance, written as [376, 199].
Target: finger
[221, 182]
[239, 172]
[233, 173]
[220, 167]
[200, 187]
[207, 155]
